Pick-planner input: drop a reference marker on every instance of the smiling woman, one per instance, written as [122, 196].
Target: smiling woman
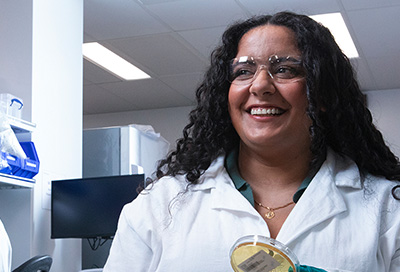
[280, 145]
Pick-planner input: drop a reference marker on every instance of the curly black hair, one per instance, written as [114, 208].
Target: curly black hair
[336, 106]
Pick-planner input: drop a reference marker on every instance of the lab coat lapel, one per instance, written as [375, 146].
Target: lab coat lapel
[322, 200]
[314, 207]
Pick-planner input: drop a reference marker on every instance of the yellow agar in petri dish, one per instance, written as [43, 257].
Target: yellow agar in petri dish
[262, 254]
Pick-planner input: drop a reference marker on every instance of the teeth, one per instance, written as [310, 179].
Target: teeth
[263, 111]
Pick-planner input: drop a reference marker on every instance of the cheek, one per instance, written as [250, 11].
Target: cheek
[233, 104]
[236, 96]
[231, 97]
[297, 97]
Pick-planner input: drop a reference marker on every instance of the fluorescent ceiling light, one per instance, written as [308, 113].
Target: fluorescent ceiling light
[335, 23]
[110, 61]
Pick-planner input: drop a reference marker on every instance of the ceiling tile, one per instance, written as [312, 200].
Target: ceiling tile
[152, 2]
[204, 40]
[85, 81]
[195, 14]
[184, 84]
[372, 35]
[309, 7]
[385, 75]
[96, 75]
[105, 19]
[367, 4]
[97, 100]
[162, 54]
[147, 94]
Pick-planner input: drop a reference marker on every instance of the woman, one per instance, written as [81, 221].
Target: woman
[280, 144]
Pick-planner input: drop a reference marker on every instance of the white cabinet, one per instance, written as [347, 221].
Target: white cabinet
[22, 129]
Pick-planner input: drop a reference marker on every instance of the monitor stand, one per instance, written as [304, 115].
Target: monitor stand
[97, 242]
[95, 252]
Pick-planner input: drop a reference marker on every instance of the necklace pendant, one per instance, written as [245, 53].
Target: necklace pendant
[270, 214]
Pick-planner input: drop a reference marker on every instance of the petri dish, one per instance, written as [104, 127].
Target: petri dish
[256, 253]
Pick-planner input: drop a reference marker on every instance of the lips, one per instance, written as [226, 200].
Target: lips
[258, 111]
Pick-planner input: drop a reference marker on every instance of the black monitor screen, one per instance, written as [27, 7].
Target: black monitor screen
[90, 207]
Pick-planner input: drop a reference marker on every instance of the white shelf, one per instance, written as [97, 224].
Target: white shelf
[10, 181]
[21, 126]
[15, 182]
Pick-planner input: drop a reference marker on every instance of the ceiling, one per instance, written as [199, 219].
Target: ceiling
[171, 40]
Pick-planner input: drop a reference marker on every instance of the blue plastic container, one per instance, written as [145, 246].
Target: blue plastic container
[30, 166]
[14, 162]
[11, 162]
[27, 168]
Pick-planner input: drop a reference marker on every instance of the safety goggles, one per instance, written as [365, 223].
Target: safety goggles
[245, 69]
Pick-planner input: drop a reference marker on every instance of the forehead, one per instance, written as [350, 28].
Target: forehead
[266, 40]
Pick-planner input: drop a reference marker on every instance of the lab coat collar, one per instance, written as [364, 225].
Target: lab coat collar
[209, 179]
[321, 201]
[224, 194]
[344, 172]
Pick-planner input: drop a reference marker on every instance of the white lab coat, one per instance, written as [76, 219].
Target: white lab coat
[5, 250]
[336, 225]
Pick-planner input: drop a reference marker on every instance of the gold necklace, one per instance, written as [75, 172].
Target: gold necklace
[271, 211]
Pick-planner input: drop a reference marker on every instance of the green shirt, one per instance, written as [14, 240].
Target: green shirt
[245, 189]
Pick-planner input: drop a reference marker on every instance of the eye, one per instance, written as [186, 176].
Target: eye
[286, 71]
[242, 71]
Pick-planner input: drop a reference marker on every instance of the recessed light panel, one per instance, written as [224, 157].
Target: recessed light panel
[111, 62]
[335, 23]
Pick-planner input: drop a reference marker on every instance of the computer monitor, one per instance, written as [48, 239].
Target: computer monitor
[90, 207]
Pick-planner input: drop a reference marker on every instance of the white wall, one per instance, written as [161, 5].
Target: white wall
[41, 62]
[169, 122]
[385, 109]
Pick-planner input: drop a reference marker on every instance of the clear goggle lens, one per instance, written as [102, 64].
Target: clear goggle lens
[245, 69]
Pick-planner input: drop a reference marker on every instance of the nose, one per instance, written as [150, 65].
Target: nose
[263, 82]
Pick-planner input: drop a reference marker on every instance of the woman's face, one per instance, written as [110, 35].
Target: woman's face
[267, 113]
